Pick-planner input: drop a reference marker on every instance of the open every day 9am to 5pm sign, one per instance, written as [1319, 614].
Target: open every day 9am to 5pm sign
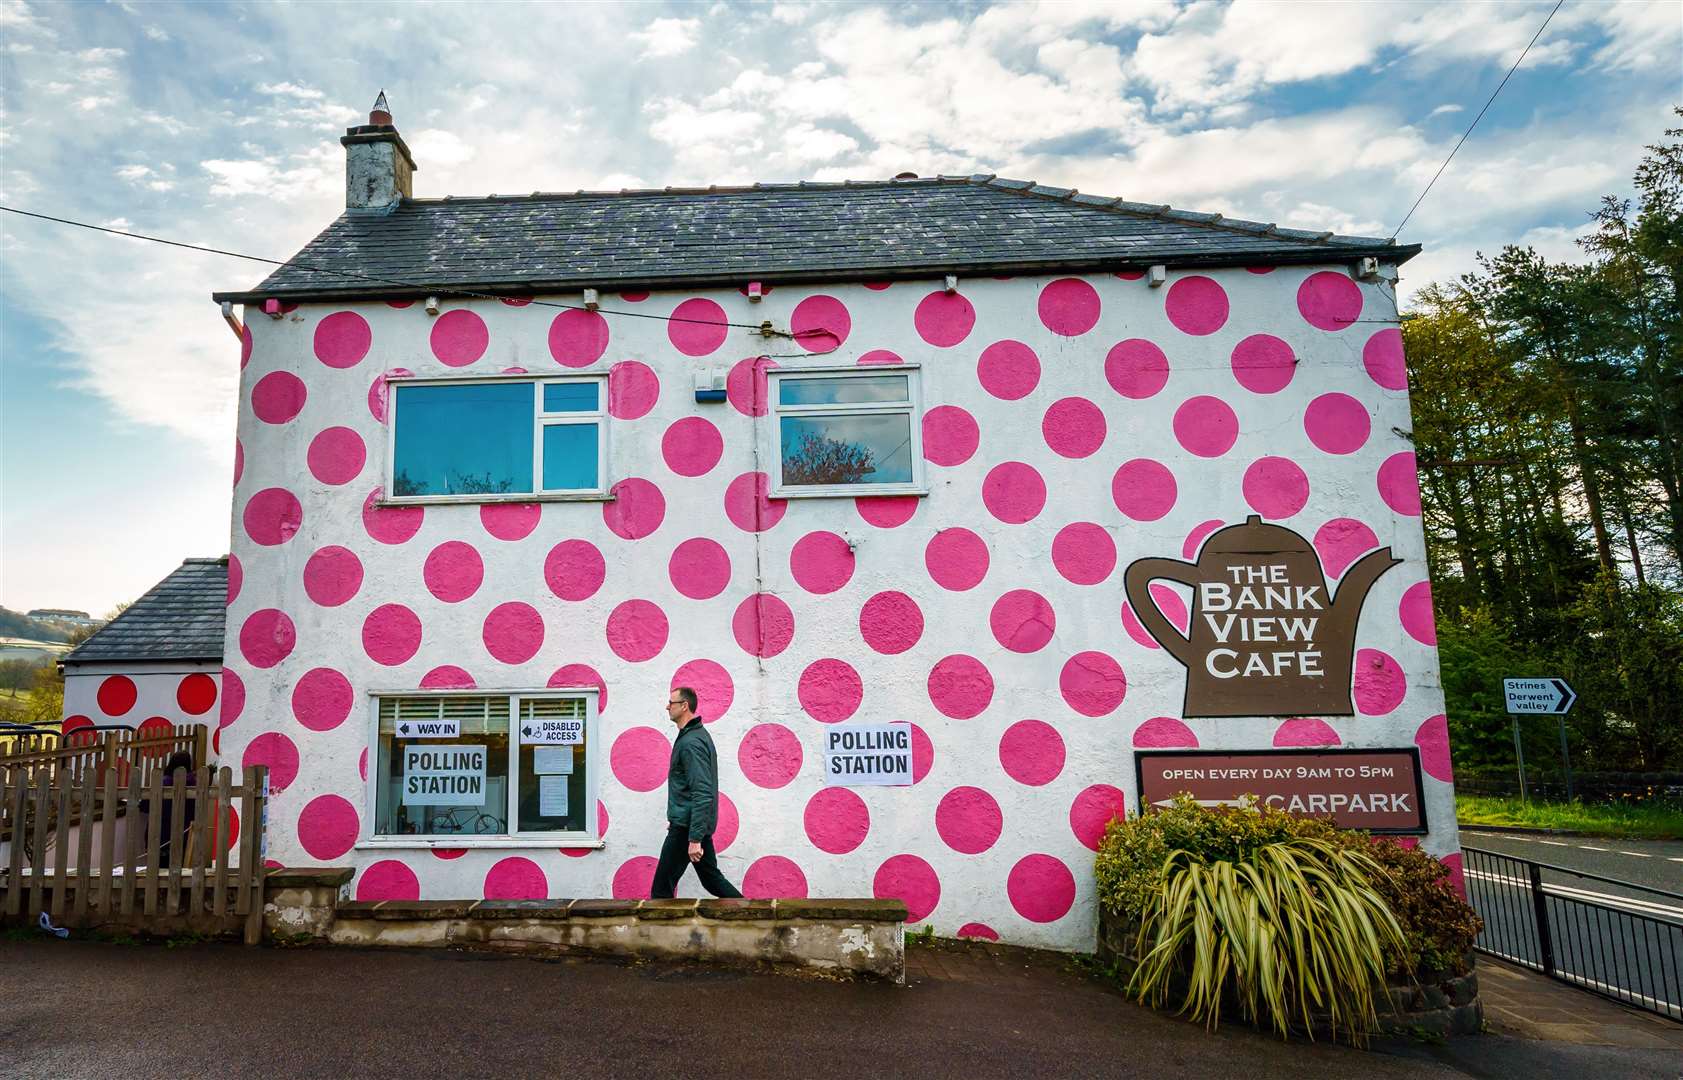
[1377, 790]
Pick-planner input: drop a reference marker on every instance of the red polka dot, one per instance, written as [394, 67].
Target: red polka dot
[891, 622]
[510, 521]
[1041, 888]
[769, 755]
[1014, 492]
[277, 752]
[1022, 621]
[911, 880]
[513, 632]
[637, 508]
[968, 820]
[712, 684]
[574, 569]
[942, 320]
[447, 677]
[746, 504]
[1432, 737]
[573, 676]
[1275, 487]
[73, 724]
[960, 686]
[1009, 370]
[923, 754]
[1195, 538]
[272, 516]
[772, 877]
[1380, 684]
[697, 327]
[821, 562]
[746, 387]
[1196, 305]
[637, 296]
[1032, 752]
[763, 625]
[195, 693]
[336, 455]
[1084, 553]
[267, 637]
[1094, 809]
[1399, 484]
[1073, 427]
[699, 568]
[957, 559]
[639, 758]
[388, 879]
[1337, 423]
[391, 634]
[836, 820]
[1143, 490]
[390, 524]
[1340, 542]
[578, 338]
[322, 699]
[1303, 731]
[379, 392]
[633, 389]
[328, 827]
[692, 446]
[342, 339]
[233, 697]
[445, 853]
[459, 338]
[453, 571]
[516, 878]
[278, 397]
[820, 324]
[1382, 356]
[1069, 306]
[116, 695]
[978, 932]
[1329, 300]
[1092, 684]
[637, 631]
[1164, 733]
[880, 356]
[1415, 613]
[1136, 368]
[950, 435]
[887, 512]
[1206, 426]
[830, 690]
[1263, 364]
[634, 879]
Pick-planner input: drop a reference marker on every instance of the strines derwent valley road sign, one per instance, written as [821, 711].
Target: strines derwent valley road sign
[1538, 695]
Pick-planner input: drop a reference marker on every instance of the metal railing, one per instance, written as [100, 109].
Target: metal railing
[1610, 937]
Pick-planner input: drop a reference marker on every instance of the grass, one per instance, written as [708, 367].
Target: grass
[1652, 821]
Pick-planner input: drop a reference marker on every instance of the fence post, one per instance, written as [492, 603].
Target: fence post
[1539, 904]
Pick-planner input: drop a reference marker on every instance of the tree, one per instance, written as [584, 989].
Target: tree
[822, 460]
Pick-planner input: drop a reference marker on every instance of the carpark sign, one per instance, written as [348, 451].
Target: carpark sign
[1538, 695]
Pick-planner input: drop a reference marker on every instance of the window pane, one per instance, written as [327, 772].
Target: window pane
[463, 440]
[841, 390]
[552, 776]
[870, 448]
[570, 397]
[569, 457]
[454, 786]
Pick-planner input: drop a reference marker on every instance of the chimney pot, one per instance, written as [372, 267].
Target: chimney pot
[381, 114]
[379, 169]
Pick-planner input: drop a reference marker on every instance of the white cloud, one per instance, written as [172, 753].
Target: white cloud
[1642, 36]
[157, 33]
[286, 89]
[667, 37]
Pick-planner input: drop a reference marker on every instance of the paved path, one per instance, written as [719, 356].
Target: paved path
[1657, 864]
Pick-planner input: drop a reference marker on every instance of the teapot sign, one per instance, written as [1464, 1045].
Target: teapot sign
[1267, 636]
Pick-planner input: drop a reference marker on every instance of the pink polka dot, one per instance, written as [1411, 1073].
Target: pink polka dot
[459, 338]
[1379, 683]
[445, 853]
[637, 509]
[1383, 358]
[272, 516]
[747, 506]
[960, 686]
[1196, 537]
[1041, 888]
[513, 632]
[692, 446]
[891, 622]
[633, 389]
[911, 880]
[887, 512]
[516, 878]
[578, 338]
[1337, 423]
[336, 455]
[245, 346]
[968, 820]
[332, 576]
[1275, 487]
[637, 296]
[746, 386]
[1069, 306]
[601, 831]
[697, 327]
[1329, 300]
[1143, 490]
[830, 690]
[342, 339]
[328, 827]
[379, 392]
[388, 879]
[712, 684]
[1432, 737]
[836, 820]
[572, 676]
[634, 879]
[773, 877]
[277, 752]
[1023, 621]
[957, 559]
[510, 521]
[1169, 603]
[1084, 553]
[942, 320]
[763, 625]
[1032, 752]
[1014, 492]
[1094, 809]
[1008, 370]
[880, 356]
[1416, 615]
[391, 634]
[639, 758]
[1263, 364]
[1092, 684]
[195, 694]
[447, 677]
[1164, 733]
[278, 397]
[1305, 731]
[116, 695]
[699, 568]
[821, 562]
[724, 831]
[637, 631]
[769, 755]
[1457, 876]
[233, 697]
[453, 571]
[390, 524]
[1196, 305]
[267, 637]
[923, 754]
[1340, 542]
[574, 569]
[239, 462]
[1399, 484]
[976, 931]
[1136, 368]
[820, 324]
[236, 578]
[1206, 426]
[322, 699]
[950, 435]
[1073, 427]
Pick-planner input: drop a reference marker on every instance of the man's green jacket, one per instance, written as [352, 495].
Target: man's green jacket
[692, 782]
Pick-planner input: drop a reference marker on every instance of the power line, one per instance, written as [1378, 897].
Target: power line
[1476, 119]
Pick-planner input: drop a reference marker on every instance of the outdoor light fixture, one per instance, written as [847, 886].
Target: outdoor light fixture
[592, 299]
[432, 305]
[1367, 268]
[1158, 275]
[709, 386]
[952, 284]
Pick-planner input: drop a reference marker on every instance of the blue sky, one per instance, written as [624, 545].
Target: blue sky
[218, 124]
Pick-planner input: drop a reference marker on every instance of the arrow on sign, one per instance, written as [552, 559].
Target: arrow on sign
[526, 731]
[1240, 801]
[1567, 696]
[403, 729]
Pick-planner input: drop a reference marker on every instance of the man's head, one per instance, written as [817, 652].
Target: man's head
[680, 705]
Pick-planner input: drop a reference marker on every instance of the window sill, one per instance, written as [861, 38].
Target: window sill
[495, 843]
[859, 492]
[475, 500]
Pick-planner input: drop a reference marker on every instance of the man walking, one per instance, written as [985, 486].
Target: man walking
[692, 804]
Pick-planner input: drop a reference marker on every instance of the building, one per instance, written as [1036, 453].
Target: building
[949, 453]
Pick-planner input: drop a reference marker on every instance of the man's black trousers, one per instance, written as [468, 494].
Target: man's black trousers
[675, 857]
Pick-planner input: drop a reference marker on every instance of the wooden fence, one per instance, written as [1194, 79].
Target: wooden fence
[146, 750]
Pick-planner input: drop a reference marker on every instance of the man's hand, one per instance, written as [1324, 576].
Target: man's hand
[695, 851]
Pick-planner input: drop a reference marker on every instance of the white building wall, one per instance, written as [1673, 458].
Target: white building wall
[131, 694]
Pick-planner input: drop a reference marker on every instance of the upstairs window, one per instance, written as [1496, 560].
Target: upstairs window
[853, 432]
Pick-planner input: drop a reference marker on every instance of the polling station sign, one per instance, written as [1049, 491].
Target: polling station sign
[1376, 790]
[867, 755]
[444, 776]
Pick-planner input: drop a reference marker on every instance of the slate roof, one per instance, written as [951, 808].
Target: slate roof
[180, 618]
[850, 230]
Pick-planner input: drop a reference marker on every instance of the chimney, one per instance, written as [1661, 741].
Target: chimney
[378, 167]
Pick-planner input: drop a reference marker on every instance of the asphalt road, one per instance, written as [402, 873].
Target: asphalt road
[1657, 864]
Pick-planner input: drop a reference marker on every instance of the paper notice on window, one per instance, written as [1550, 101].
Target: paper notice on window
[553, 731]
[552, 796]
[443, 775]
[551, 760]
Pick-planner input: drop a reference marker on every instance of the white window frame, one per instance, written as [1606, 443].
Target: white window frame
[369, 840]
[912, 408]
[540, 420]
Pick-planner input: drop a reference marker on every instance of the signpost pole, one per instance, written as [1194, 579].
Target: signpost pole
[1519, 758]
[1565, 757]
